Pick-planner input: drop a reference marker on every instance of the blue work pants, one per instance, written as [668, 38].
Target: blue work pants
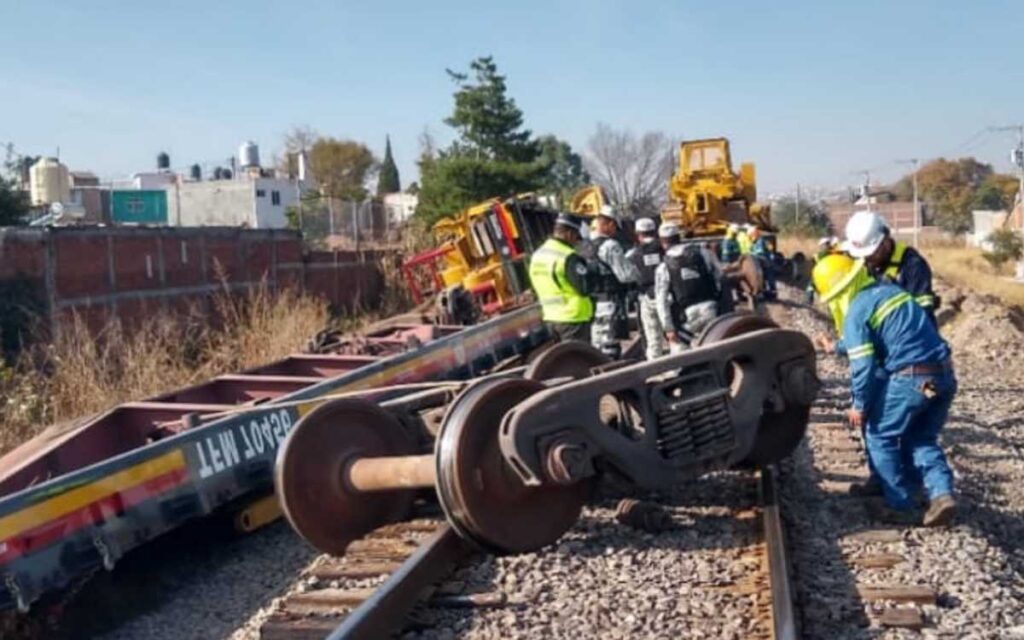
[903, 440]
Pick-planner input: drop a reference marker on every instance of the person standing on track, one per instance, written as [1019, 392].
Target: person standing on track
[646, 256]
[685, 289]
[559, 278]
[868, 237]
[615, 272]
[743, 240]
[902, 383]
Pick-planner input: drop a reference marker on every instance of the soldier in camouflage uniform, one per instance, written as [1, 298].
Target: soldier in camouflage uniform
[646, 257]
[685, 289]
[614, 274]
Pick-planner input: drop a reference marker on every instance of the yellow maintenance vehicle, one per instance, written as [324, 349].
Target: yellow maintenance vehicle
[480, 262]
[706, 195]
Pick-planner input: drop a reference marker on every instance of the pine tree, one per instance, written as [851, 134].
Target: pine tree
[388, 182]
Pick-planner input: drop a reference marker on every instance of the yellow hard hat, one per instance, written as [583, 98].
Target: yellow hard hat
[833, 274]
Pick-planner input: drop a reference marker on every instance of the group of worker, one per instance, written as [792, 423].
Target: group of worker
[750, 240]
[586, 299]
[879, 294]
[877, 290]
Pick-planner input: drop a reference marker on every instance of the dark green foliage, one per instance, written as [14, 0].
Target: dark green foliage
[14, 204]
[1006, 245]
[811, 222]
[388, 181]
[21, 307]
[563, 168]
[492, 156]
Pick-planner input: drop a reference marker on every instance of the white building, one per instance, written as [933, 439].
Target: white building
[257, 203]
[153, 180]
[400, 206]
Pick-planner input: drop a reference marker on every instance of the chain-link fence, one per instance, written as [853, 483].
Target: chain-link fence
[342, 224]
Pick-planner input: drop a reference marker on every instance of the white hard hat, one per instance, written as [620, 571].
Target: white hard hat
[825, 242]
[733, 227]
[749, 227]
[668, 229]
[646, 225]
[608, 212]
[864, 232]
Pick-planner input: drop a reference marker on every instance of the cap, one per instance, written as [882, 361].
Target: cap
[668, 230]
[607, 211]
[568, 220]
[646, 225]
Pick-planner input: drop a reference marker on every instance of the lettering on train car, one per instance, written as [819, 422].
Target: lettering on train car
[251, 439]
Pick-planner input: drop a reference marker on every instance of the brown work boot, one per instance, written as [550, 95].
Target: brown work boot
[940, 512]
[881, 512]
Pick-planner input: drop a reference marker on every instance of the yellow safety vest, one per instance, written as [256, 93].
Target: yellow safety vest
[892, 272]
[743, 238]
[559, 301]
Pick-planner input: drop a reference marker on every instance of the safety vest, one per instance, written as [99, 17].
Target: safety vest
[892, 272]
[559, 301]
[743, 238]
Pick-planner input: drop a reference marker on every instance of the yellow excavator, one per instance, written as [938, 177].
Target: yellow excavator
[706, 195]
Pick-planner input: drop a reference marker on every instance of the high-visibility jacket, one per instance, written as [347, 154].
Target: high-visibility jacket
[885, 329]
[743, 238]
[560, 301]
[908, 269]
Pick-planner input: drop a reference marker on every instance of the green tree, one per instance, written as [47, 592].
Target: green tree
[493, 156]
[341, 168]
[988, 197]
[387, 180]
[950, 187]
[1006, 245]
[563, 168]
[810, 220]
[14, 203]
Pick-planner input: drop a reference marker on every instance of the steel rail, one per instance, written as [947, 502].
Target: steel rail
[784, 620]
[384, 612]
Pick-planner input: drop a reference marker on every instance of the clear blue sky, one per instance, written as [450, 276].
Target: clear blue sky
[810, 90]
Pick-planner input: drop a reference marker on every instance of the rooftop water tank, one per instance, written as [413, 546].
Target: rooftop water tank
[249, 154]
[49, 182]
[163, 161]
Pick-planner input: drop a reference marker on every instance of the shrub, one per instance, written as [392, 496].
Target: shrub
[1006, 245]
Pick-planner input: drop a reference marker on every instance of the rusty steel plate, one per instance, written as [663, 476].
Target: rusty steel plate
[777, 433]
[572, 359]
[481, 495]
[310, 468]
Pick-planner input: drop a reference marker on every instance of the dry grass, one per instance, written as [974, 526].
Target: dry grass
[82, 373]
[967, 269]
[788, 245]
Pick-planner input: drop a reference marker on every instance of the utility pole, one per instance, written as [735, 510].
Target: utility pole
[917, 211]
[1016, 157]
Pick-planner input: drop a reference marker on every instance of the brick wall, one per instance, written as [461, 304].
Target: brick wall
[131, 272]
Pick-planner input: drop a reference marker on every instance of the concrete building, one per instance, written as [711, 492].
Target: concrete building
[400, 206]
[256, 203]
[898, 215]
[150, 180]
[87, 193]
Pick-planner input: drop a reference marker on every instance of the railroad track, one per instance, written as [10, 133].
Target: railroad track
[384, 579]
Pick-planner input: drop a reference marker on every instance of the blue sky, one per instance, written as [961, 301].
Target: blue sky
[810, 90]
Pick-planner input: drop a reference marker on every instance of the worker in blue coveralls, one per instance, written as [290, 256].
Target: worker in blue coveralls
[902, 383]
[868, 237]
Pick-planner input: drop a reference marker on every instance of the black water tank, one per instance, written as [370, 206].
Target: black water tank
[196, 172]
[163, 161]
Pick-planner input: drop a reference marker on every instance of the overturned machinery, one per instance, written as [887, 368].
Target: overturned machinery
[512, 457]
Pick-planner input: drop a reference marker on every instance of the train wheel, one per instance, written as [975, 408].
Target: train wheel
[572, 359]
[310, 469]
[483, 498]
[778, 434]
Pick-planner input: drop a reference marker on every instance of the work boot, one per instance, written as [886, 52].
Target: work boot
[881, 512]
[869, 488]
[940, 512]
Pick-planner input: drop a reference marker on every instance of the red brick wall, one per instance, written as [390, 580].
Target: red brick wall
[132, 272]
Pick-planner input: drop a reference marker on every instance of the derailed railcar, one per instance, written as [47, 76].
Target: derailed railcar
[79, 499]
